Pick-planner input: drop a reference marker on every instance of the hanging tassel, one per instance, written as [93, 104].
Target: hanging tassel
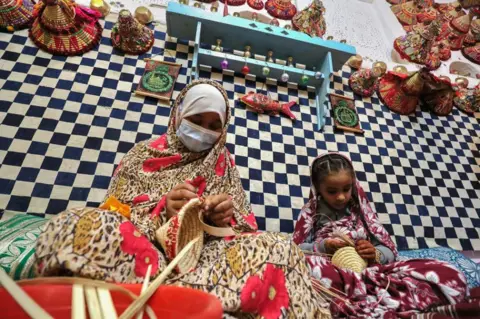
[87, 15]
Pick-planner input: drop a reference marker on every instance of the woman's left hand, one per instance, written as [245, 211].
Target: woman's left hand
[365, 249]
[219, 209]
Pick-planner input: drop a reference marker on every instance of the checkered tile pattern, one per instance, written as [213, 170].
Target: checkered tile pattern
[67, 122]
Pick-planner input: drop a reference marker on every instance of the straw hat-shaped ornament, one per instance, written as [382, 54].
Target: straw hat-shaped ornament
[63, 27]
[130, 36]
[234, 3]
[310, 20]
[15, 14]
[348, 258]
[183, 228]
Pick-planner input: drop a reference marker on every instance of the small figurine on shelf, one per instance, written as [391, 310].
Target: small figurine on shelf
[364, 82]
[413, 12]
[310, 20]
[15, 15]
[62, 27]
[281, 9]
[214, 7]
[467, 100]
[417, 46]
[130, 36]
[218, 46]
[270, 56]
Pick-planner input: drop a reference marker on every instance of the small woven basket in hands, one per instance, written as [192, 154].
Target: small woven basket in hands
[348, 258]
[183, 228]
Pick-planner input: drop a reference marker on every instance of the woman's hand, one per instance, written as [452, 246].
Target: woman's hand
[365, 249]
[178, 197]
[219, 209]
[333, 244]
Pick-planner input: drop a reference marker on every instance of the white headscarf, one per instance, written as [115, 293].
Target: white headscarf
[201, 98]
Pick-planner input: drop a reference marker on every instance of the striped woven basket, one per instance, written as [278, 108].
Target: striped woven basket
[348, 258]
[184, 228]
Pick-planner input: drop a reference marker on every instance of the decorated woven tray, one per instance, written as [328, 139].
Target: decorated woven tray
[344, 114]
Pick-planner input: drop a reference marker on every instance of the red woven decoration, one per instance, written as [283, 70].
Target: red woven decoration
[15, 14]
[62, 27]
[255, 4]
[281, 9]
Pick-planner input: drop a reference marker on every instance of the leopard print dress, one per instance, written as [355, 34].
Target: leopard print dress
[254, 275]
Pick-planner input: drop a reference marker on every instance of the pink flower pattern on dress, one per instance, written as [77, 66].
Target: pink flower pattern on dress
[155, 164]
[160, 143]
[266, 297]
[134, 243]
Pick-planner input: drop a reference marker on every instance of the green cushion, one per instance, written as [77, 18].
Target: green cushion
[18, 237]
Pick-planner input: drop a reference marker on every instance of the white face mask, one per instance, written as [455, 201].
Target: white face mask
[196, 138]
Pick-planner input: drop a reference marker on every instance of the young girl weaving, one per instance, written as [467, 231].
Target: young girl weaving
[338, 215]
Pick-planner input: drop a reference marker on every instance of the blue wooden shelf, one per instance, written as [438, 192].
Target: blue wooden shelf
[197, 25]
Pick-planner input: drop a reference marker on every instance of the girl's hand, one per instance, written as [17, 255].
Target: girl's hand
[365, 249]
[178, 197]
[219, 209]
[333, 244]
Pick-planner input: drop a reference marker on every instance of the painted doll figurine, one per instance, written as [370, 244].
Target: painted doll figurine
[310, 20]
[400, 92]
[364, 82]
[437, 95]
[467, 100]
[417, 46]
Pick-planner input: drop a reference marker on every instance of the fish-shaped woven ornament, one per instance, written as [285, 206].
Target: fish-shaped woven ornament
[262, 103]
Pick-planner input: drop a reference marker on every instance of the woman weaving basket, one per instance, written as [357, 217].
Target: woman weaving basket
[352, 254]
[252, 273]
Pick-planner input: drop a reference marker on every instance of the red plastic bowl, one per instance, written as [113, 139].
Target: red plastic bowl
[167, 302]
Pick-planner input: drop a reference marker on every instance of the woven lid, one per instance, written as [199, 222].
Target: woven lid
[15, 14]
[62, 27]
[184, 227]
[348, 258]
[130, 36]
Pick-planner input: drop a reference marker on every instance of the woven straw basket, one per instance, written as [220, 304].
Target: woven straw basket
[183, 228]
[348, 258]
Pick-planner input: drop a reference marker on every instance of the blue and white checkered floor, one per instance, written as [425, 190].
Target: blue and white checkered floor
[67, 122]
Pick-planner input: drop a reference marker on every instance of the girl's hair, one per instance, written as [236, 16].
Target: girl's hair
[329, 164]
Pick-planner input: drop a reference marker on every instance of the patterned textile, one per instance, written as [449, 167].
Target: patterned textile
[18, 236]
[468, 309]
[468, 267]
[397, 289]
[362, 223]
[400, 92]
[250, 273]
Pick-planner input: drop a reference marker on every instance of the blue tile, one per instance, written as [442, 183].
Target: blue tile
[18, 203]
[42, 190]
[101, 182]
[14, 159]
[6, 186]
[65, 179]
